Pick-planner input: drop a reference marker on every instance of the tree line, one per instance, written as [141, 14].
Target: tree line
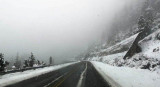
[18, 64]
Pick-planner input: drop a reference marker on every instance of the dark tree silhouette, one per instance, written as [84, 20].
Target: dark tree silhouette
[26, 63]
[31, 60]
[2, 64]
[38, 62]
[50, 61]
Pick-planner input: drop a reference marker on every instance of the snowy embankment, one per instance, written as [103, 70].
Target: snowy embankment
[109, 59]
[128, 77]
[151, 45]
[149, 58]
[116, 51]
[20, 76]
[120, 45]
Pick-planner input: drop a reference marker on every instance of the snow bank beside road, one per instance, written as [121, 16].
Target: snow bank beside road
[128, 77]
[19, 76]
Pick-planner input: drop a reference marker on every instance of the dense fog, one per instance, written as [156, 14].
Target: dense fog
[58, 28]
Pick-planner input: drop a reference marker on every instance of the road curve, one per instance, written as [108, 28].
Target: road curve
[82, 74]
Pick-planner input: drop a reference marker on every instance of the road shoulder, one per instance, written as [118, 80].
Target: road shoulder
[108, 79]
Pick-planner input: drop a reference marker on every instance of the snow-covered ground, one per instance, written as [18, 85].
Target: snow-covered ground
[116, 51]
[19, 76]
[109, 59]
[140, 70]
[120, 45]
[128, 77]
[149, 58]
[151, 45]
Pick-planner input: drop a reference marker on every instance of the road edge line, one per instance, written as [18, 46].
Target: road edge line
[82, 77]
[108, 79]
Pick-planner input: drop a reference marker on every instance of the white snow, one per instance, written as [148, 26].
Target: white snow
[128, 77]
[110, 59]
[140, 70]
[113, 56]
[122, 43]
[150, 43]
[94, 58]
[19, 76]
[120, 47]
[149, 58]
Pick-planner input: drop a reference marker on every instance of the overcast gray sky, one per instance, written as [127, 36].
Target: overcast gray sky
[58, 28]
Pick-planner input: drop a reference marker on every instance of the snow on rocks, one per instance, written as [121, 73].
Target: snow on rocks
[128, 77]
[151, 45]
[121, 46]
[116, 51]
[149, 58]
[114, 57]
[19, 76]
[139, 61]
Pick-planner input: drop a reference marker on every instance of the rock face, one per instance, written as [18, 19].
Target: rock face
[135, 48]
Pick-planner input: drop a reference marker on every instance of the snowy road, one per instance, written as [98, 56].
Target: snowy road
[81, 74]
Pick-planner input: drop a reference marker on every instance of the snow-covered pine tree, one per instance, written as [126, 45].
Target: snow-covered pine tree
[32, 60]
[2, 65]
[26, 63]
[149, 18]
[141, 23]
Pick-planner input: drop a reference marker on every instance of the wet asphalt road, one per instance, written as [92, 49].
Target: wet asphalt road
[82, 74]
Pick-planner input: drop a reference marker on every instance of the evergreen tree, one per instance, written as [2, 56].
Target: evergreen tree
[149, 18]
[26, 63]
[38, 62]
[141, 24]
[2, 64]
[31, 60]
[145, 22]
[50, 61]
